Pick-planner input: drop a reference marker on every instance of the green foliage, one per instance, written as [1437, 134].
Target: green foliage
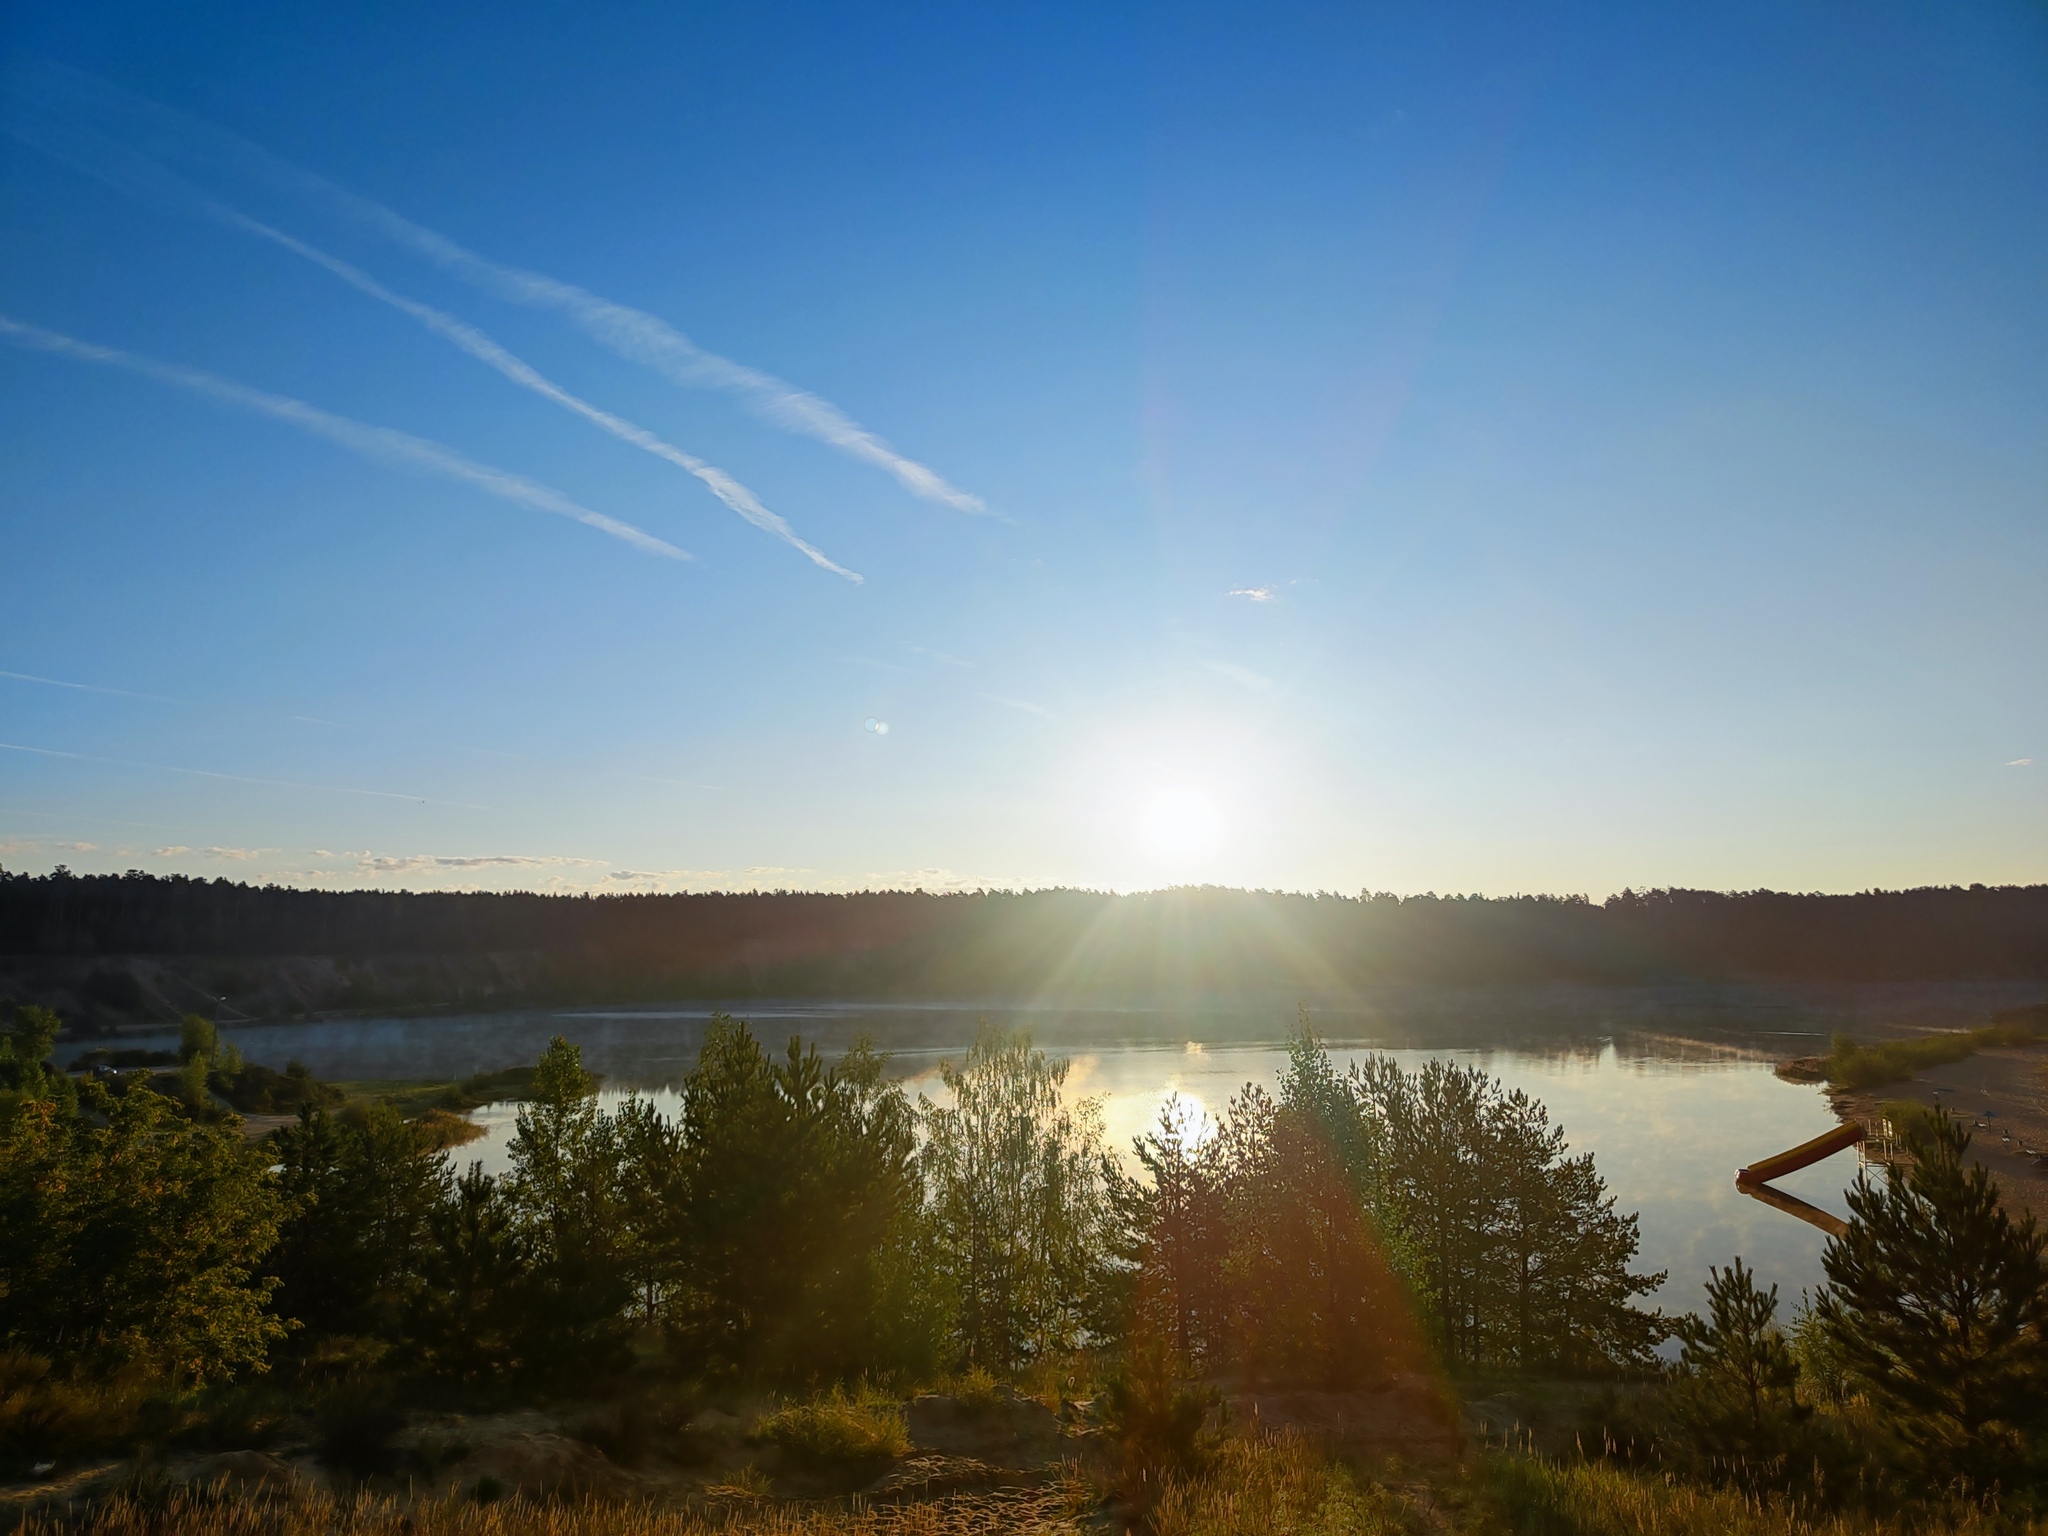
[198, 1037]
[837, 1432]
[1735, 1407]
[361, 1191]
[1517, 1247]
[1938, 1303]
[1019, 1189]
[473, 1314]
[567, 1197]
[255, 1089]
[1161, 1422]
[797, 1215]
[1826, 1378]
[1311, 1296]
[26, 1075]
[1738, 1348]
[1309, 1239]
[134, 1238]
[45, 1417]
[1849, 1065]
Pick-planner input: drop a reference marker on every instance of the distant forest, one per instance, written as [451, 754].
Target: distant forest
[964, 946]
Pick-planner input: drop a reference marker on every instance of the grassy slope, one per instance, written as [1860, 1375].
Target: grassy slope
[1256, 1488]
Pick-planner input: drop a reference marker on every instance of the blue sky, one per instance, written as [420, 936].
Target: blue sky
[1446, 448]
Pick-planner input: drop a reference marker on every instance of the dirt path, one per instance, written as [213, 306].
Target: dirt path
[2002, 1095]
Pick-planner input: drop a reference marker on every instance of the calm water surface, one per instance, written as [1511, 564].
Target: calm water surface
[1671, 1089]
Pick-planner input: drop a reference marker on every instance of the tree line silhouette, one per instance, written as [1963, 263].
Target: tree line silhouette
[1078, 943]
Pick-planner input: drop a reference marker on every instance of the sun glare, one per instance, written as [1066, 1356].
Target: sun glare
[1180, 822]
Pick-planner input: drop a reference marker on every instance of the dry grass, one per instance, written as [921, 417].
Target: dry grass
[1050, 1510]
[1529, 1495]
[1268, 1486]
[837, 1430]
[1271, 1485]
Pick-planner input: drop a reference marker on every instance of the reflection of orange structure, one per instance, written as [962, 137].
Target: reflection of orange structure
[1751, 1180]
[1842, 1136]
[1792, 1205]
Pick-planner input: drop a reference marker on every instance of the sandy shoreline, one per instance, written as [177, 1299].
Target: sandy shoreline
[2001, 1093]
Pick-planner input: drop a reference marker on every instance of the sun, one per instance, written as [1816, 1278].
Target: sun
[1179, 822]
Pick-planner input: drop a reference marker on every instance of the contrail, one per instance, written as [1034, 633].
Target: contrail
[58, 682]
[520, 372]
[632, 333]
[148, 182]
[385, 444]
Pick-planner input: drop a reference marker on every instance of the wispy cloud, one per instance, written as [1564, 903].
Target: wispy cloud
[235, 778]
[1026, 705]
[486, 350]
[237, 855]
[1244, 677]
[951, 661]
[2021, 762]
[386, 445]
[1264, 594]
[47, 96]
[54, 682]
[879, 666]
[175, 850]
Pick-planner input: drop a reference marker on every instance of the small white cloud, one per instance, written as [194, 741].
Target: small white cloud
[2021, 762]
[1244, 677]
[1264, 594]
[81, 847]
[1026, 705]
[237, 854]
[172, 852]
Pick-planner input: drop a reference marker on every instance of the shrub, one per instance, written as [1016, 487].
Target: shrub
[1269, 1484]
[837, 1432]
[1850, 1065]
[43, 1418]
[1160, 1423]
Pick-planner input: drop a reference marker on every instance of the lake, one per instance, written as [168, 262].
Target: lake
[1671, 1089]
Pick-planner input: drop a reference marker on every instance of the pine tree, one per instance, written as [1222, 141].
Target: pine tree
[564, 1187]
[1178, 1222]
[1738, 1361]
[1937, 1300]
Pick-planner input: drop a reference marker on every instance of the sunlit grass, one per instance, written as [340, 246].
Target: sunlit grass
[1529, 1495]
[1850, 1065]
[837, 1430]
[1268, 1485]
